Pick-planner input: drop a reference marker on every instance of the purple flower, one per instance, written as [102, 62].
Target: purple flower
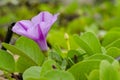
[37, 28]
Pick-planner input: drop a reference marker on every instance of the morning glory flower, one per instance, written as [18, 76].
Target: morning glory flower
[37, 28]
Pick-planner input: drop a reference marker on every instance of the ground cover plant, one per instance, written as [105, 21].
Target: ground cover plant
[90, 61]
[69, 44]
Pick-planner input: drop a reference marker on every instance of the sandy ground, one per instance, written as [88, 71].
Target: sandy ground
[1, 76]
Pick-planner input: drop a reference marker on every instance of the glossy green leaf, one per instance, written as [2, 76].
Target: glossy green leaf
[94, 75]
[112, 22]
[33, 73]
[110, 37]
[116, 65]
[47, 66]
[83, 45]
[57, 38]
[92, 40]
[58, 75]
[17, 51]
[81, 69]
[115, 43]
[89, 42]
[71, 53]
[108, 72]
[115, 29]
[57, 49]
[100, 57]
[75, 55]
[31, 49]
[7, 61]
[113, 51]
[64, 64]
[55, 56]
[22, 64]
[92, 28]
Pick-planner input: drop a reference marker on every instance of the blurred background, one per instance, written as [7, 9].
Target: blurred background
[76, 16]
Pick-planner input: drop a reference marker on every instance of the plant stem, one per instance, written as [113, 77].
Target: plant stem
[45, 53]
[8, 76]
[8, 35]
[66, 36]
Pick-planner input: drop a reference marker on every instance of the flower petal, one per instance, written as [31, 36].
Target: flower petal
[42, 44]
[17, 28]
[21, 27]
[48, 25]
[26, 24]
[55, 17]
[37, 35]
[36, 29]
[42, 17]
[42, 40]
[43, 27]
[33, 32]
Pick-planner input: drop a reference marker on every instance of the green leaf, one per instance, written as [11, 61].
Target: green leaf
[57, 38]
[110, 37]
[48, 65]
[83, 45]
[57, 49]
[92, 28]
[115, 29]
[17, 51]
[64, 64]
[28, 49]
[71, 53]
[81, 69]
[91, 39]
[55, 56]
[112, 22]
[115, 43]
[100, 57]
[33, 73]
[108, 72]
[113, 51]
[94, 75]
[89, 42]
[31, 49]
[75, 55]
[7, 61]
[59, 75]
[116, 65]
[22, 64]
